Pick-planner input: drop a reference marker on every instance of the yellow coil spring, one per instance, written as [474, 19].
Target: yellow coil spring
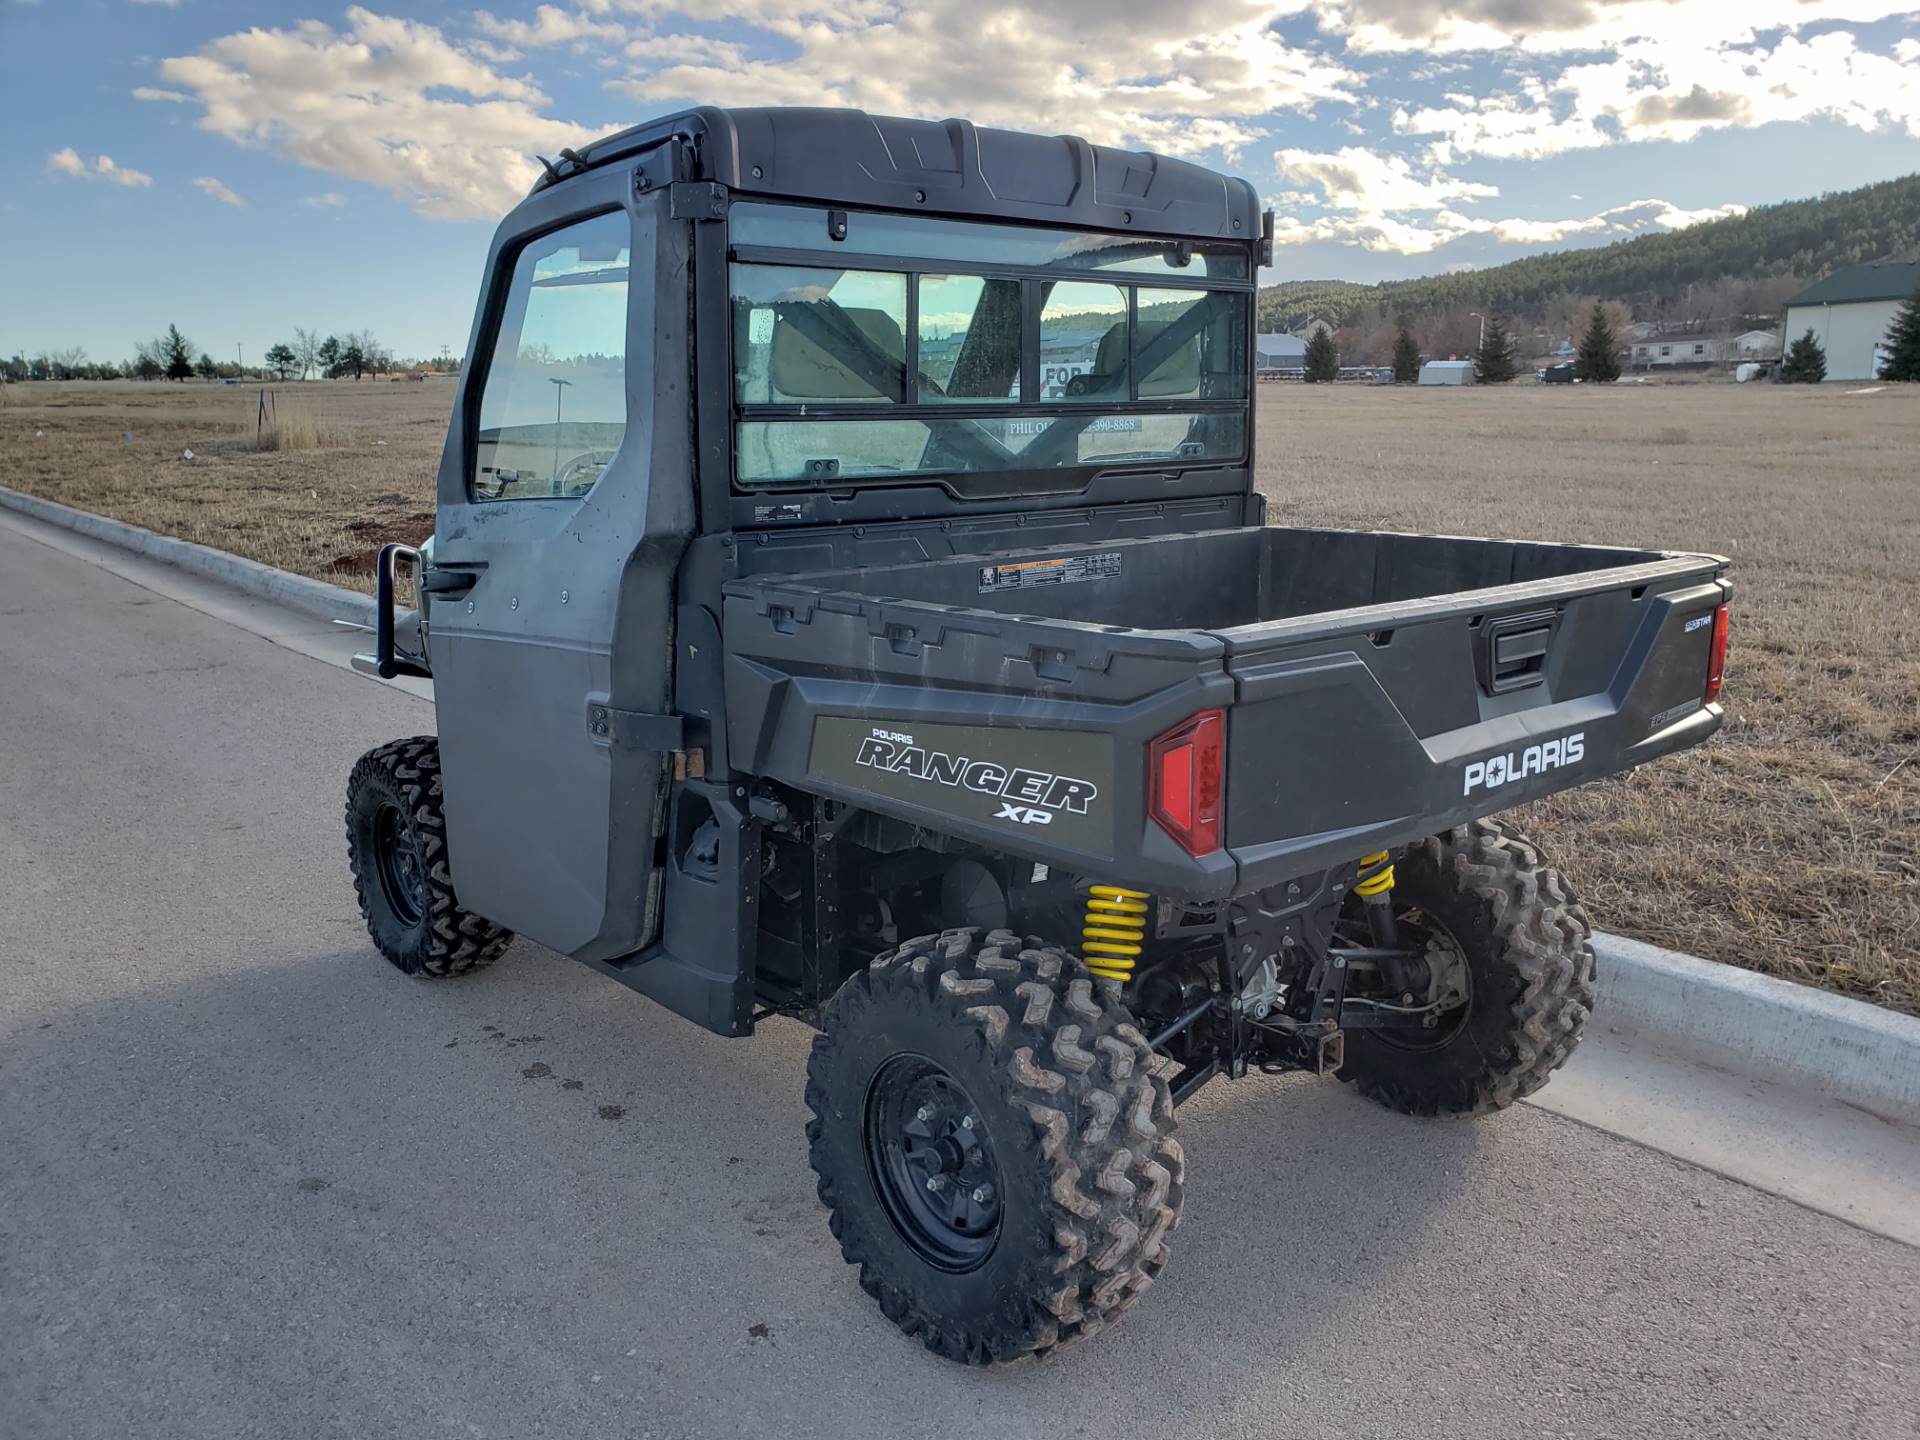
[1380, 881]
[1115, 931]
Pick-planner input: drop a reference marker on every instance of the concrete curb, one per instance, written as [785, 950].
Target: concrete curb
[1724, 1015]
[1850, 1049]
[296, 592]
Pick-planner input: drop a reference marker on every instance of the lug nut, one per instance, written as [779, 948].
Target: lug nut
[936, 1183]
[923, 1114]
[982, 1194]
[966, 1122]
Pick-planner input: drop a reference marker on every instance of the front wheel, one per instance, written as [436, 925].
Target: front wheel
[1509, 953]
[993, 1144]
[397, 846]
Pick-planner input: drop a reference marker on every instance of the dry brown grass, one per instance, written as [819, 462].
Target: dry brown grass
[1787, 845]
[1790, 843]
[351, 465]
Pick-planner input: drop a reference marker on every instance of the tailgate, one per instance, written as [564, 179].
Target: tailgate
[1379, 725]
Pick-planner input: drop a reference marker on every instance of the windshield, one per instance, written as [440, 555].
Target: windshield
[940, 348]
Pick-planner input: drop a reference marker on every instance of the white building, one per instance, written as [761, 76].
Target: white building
[1447, 372]
[1850, 313]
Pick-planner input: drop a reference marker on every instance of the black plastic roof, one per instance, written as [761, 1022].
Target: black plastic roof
[946, 167]
[1876, 280]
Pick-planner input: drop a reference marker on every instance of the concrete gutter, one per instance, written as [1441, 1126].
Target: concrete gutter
[1725, 1017]
[1740, 1020]
[296, 592]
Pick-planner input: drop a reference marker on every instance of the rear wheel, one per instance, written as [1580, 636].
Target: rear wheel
[397, 846]
[993, 1144]
[1509, 955]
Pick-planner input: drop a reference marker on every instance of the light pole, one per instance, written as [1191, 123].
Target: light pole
[1476, 315]
[559, 395]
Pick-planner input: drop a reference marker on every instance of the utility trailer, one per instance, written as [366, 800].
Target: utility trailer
[850, 601]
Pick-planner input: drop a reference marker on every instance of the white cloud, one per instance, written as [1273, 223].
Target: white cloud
[1358, 179]
[219, 191]
[1133, 73]
[170, 4]
[550, 26]
[69, 161]
[1382, 203]
[1559, 26]
[331, 200]
[174, 97]
[1655, 90]
[1405, 234]
[389, 101]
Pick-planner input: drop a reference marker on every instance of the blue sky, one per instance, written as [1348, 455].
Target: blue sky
[242, 168]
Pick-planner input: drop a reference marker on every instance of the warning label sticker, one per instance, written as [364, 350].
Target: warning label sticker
[1033, 574]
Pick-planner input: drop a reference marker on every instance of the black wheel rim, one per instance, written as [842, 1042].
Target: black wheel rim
[403, 882]
[932, 1163]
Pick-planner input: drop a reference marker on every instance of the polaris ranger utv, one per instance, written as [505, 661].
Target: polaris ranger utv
[850, 601]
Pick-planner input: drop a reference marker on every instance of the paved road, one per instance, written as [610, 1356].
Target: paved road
[252, 1182]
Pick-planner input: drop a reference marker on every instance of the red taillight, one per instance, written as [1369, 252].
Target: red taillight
[1185, 769]
[1717, 656]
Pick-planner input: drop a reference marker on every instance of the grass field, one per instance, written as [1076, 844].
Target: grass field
[1791, 844]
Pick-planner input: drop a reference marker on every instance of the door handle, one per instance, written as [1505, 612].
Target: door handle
[442, 581]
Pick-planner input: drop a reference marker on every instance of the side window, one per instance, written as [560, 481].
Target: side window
[1190, 345]
[969, 338]
[1083, 342]
[829, 335]
[554, 406]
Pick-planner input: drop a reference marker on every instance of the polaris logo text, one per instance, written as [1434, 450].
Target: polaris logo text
[1030, 794]
[1498, 770]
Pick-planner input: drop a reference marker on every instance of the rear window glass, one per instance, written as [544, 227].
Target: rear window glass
[969, 338]
[818, 335]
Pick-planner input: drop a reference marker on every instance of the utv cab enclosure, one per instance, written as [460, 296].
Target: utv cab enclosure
[850, 601]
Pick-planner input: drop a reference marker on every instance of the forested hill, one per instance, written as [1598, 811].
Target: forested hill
[1799, 241]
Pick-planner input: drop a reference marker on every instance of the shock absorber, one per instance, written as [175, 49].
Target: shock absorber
[1373, 883]
[1114, 931]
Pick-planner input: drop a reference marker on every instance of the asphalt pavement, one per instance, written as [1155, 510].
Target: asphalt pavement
[253, 1182]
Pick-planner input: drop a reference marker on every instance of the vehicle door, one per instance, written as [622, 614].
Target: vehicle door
[565, 499]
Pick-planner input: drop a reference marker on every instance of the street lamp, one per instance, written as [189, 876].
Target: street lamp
[559, 396]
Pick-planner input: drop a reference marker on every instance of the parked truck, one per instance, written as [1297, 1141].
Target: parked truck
[803, 647]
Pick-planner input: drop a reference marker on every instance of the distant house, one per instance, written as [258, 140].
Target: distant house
[1447, 372]
[1678, 352]
[1849, 313]
[1314, 325]
[1279, 355]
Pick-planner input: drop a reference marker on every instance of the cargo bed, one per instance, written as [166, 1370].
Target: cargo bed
[1377, 687]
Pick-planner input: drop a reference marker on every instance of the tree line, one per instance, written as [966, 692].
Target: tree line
[1721, 269]
[172, 356]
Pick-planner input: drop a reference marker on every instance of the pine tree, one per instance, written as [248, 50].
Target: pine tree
[1406, 358]
[282, 361]
[1323, 361]
[1806, 362]
[1903, 340]
[176, 354]
[1493, 363]
[207, 367]
[1597, 361]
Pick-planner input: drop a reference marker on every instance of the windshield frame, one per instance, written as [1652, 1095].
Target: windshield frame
[838, 240]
